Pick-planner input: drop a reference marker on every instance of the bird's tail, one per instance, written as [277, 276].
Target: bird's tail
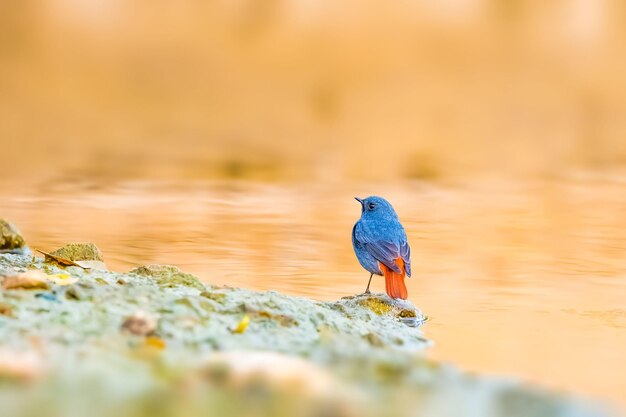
[394, 281]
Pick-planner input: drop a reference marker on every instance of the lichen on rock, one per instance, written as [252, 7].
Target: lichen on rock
[168, 276]
[11, 240]
[79, 252]
[160, 342]
[381, 304]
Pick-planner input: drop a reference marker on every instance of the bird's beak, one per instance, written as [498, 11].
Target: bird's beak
[359, 200]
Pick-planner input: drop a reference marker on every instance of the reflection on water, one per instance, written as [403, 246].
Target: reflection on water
[525, 279]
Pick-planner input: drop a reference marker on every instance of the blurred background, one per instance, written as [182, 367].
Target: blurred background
[311, 89]
[229, 137]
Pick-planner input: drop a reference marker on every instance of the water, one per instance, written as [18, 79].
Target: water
[521, 279]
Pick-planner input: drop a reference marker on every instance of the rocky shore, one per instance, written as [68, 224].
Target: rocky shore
[77, 339]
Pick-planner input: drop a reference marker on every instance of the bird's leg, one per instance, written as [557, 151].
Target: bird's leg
[367, 290]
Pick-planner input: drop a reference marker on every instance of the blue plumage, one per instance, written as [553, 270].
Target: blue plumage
[378, 237]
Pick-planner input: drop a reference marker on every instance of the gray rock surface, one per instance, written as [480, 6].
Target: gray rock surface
[150, 342]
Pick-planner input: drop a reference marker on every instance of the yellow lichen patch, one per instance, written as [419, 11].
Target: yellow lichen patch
[62, 279]
[376, 305]
[407, 313]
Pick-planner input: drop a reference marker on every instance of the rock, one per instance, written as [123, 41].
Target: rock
[6, 310]
[29, 280]
[139, 324]
[11, 240]
[9, 263]
[381, 304]
[168, 276]
[144, 338]
[79, 252]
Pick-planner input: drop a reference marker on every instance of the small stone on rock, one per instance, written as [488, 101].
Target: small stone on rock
[139, 324]
[11, 240]
[29, 280]
[79, 252]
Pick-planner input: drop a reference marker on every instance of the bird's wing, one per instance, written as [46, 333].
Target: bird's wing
[384, 251]
[405, 253]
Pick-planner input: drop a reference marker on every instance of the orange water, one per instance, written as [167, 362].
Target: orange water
[523, 279]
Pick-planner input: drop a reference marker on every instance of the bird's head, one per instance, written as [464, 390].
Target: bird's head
[376, 207]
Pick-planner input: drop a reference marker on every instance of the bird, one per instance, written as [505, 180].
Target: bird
[381, 245]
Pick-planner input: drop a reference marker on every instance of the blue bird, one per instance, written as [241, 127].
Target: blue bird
[381, 246]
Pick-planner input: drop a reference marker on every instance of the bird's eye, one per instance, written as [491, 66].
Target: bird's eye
[371, 206]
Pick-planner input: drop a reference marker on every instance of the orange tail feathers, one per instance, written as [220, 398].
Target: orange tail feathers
[394, 281]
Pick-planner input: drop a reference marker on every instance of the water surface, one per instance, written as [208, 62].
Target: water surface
[521, 279]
